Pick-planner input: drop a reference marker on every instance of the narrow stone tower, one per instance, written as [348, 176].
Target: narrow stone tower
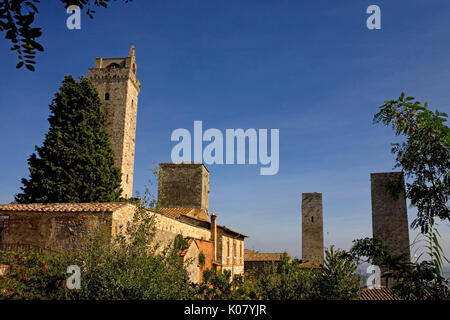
[118, 87]
[389, 214]
[312, 228]
[183, 185]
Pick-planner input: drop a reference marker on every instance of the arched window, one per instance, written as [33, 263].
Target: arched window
[107, 96]
[312, 219]
[113, 65]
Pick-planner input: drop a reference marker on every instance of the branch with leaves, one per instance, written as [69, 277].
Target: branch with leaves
[16, 22]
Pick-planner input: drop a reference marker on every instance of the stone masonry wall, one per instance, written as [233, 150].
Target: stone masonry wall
[389, 214]
[183, 185]
[55, 231]
[122, 87]
[312, 228]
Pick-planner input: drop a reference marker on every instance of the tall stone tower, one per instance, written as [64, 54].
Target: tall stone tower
[389, 214]
[183, 185]
[312, 228]
[118, 87]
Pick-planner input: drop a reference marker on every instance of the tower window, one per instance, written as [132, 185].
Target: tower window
[127, 178]
[312, 219]
[107, 96]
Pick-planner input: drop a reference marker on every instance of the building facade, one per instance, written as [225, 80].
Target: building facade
[118, 87]
[312, 228]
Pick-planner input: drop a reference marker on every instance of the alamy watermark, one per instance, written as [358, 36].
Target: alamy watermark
[374, 280]
[374, 21]
[235, 147]
[74, 280]
[74, 20]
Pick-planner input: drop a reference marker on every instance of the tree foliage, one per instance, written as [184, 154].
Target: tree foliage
[75, 162]
[424, 157]
[218, 285]
[129, 266]
[16, 22]
[33, 276]
[412, 280]
[336, 280]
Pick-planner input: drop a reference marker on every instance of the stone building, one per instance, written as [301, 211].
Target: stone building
[118, 87]
[312, 228]
[260, 261]
[183, 192]
[389, 216]
[62, 226]
[389, 213]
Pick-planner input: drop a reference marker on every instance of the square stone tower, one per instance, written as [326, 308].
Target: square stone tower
[183, 185]
[389, 214]
[118, 87]
[312, 228]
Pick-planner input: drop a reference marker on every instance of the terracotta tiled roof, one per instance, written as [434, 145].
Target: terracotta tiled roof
[250, 255]
[232, 231]
[377, 294]
[195, 213]
[63, 207]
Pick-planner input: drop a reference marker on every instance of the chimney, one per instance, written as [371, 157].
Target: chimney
[214, 234]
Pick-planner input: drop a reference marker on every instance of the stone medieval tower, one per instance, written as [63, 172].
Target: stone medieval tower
[118, 87]
[389, 213]
[312, 228]
[183, 185]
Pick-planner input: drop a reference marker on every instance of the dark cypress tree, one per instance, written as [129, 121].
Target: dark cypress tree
[76, 162]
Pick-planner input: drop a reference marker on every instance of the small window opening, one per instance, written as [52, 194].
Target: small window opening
[312, 219]
[107, 96]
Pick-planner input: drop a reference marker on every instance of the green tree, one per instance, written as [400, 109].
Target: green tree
[281, 281]
[32, 275]
[425, 159]
[129, 266]
[76, 162]
[412, 280]
[16, 21]
[218, 285]
[338, 280]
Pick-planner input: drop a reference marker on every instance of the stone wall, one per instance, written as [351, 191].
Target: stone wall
[54, 231]
[191, 262]
[312, 228]
[183, 185]
[389, 213]
[118, 89]
[231, 253]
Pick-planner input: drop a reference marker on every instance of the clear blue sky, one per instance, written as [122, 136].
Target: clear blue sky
[309, 68]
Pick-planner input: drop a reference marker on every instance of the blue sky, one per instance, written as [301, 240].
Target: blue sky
[309, 68]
